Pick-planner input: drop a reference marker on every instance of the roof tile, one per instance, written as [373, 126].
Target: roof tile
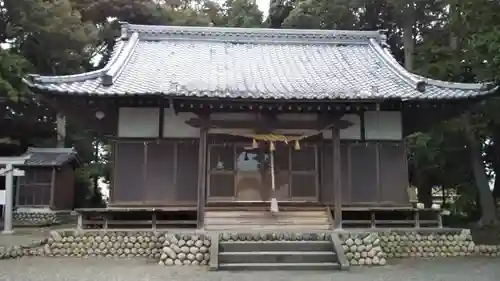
[254, 64]
[49, 156]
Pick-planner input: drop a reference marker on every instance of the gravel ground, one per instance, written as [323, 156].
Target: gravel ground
[69, 269]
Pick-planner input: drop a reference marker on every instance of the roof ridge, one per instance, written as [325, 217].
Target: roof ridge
[59, 150]
[379, 51]
[417, 80]
[253, 35]
[121, 44]
[116, 67]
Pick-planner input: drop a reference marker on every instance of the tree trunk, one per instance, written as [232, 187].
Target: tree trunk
[495, 161]
[408, 42]
[488, 210]
[454, 11]
[96, 161]
[424, 190]
[496, 187]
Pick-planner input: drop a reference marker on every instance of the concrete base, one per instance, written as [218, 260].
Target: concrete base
[8, 232]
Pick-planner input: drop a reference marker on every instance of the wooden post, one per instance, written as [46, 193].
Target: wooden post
[145, 170]
[52, 200]
[61, 130]
[372, 219]
[10, 172]
[416, 217]
[79, 224]
[337, 188]
[202, 178]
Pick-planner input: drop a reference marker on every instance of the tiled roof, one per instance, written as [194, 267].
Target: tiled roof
[253, 64]
[49, 156]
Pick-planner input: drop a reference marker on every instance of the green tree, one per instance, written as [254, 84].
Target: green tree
[51, 35]
[242, 13]
[278, 12]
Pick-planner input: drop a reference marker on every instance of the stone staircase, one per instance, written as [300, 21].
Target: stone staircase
[287, 219]
[279, 255]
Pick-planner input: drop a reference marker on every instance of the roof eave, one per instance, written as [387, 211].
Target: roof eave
[108, 74]
[417, 81]
[480, 94]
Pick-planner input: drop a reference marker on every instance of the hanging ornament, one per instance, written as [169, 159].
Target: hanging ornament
[271, 146]
[297, 145]
[274, 205]
[255, 144]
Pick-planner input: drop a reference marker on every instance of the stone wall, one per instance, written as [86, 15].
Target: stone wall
[488, 250]
[375, 248]
[40, 218]
[165, 248]
[363, 248]
[33, 248]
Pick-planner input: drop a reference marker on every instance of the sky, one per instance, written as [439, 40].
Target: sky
[263, 6]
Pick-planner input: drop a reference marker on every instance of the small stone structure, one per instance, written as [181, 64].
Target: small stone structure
[45, 195]
[170, 249]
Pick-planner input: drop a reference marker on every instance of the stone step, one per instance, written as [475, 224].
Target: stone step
[278, 246]
[277, 257]
[279, 266]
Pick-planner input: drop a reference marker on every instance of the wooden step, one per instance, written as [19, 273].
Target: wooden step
[253, 214]
[283, 220]
[264, 208]
[267, 220]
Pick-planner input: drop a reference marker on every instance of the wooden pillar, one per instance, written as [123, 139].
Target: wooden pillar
[52, 202]
[337, 188]
[61, 130]
[202, 177]
[145, 188]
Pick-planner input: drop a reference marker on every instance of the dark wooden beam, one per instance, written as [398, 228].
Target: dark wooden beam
[268, 124]
[280, 106]
[362, 125]
[202, 174]
[337, 187]
[145, 170]
[161, 122]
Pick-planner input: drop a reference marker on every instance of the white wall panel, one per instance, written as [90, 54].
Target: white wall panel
[351, 133]
[138, 122]
[174, 126]
[383, 125]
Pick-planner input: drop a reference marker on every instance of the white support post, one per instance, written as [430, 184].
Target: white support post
[274, 201]
[10, 172]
